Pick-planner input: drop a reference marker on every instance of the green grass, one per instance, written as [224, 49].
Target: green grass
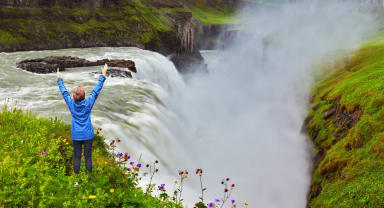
[216, 16]
[351, 173]
[28, 179]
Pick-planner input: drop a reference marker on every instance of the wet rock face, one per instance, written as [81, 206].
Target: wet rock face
[51, 63]
[187, 58]
[117, 73]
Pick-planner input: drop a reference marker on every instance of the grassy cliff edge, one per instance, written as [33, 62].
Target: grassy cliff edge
[36, 169]
[346, 124]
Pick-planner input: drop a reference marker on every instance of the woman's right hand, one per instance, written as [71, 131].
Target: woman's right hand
[104, 70]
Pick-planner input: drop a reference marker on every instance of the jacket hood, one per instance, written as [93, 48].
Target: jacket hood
[80, 106]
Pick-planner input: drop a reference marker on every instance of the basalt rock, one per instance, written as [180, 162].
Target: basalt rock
[117, 73]
[51, 63]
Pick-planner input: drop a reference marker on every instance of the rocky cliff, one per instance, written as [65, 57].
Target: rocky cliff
[165, 26]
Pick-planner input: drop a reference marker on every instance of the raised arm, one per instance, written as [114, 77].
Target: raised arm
[96, 91]
[64, 91]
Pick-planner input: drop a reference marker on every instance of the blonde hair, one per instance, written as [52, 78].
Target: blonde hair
[78, 94]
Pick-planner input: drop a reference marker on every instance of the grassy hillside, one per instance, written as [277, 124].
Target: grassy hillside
[131, 22]
[346, 124]
[36, 169]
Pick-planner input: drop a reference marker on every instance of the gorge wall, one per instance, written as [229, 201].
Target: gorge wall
[165, 26]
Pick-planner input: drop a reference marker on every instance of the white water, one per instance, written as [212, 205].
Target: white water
[241, 121]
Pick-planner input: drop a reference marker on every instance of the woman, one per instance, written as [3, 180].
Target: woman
[82, 132]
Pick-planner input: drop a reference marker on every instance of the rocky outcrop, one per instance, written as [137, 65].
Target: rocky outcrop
[117, 73]
[187, 56]
[51, 63]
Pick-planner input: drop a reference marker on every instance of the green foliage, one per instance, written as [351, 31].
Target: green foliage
[35, 169]
[351, 172]
[217, 16]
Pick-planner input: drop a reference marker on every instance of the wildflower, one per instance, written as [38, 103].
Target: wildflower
[41, 153]
[76, 184]
[246, 203]
[121, 154]
[67, 143]
[176, 182]
[111, 190]
[199, 171]
[227, 179]
[157, 170]
[131, 163]
[156, 161]
[225, 190]
[147, 166]
[118, 140]
[92, 196]
[129, 169]
[217, 200]
[181, 173]
[138, 165]
[136, 169]
[233, 185]
[222, 182]
[126, 157]
[233, 201]
[211, 205]
[161, 187]
[46, 153]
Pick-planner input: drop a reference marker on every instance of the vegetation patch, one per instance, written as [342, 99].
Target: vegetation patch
[346, 124]
[36, 169]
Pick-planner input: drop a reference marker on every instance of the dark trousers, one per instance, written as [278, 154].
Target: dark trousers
[77, 149]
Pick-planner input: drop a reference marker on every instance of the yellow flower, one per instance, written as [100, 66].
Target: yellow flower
[67, 143]
[176, 182]
[92, 196]
[111, 190]
[246, 203]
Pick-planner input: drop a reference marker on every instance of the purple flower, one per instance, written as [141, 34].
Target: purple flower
[129, 169]
[42, 153]
[46, 153]
[131, 163]
[217, 200]
[138, 165]
[233, 201]
[161, 187]
[121, 155]
[211, 204]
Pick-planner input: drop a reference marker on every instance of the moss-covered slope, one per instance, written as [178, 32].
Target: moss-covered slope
[35, 169]
[146, 24]
[346, 124]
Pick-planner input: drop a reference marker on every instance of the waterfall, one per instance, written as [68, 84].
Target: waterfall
[242, 120]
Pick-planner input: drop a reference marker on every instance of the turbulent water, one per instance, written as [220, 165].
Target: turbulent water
[242, 120]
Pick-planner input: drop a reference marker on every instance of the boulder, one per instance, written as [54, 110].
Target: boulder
[51, 63]
[117, 73]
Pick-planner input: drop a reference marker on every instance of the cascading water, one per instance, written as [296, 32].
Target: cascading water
[242, 120]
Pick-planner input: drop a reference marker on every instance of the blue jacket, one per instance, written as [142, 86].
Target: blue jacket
[81, 128]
